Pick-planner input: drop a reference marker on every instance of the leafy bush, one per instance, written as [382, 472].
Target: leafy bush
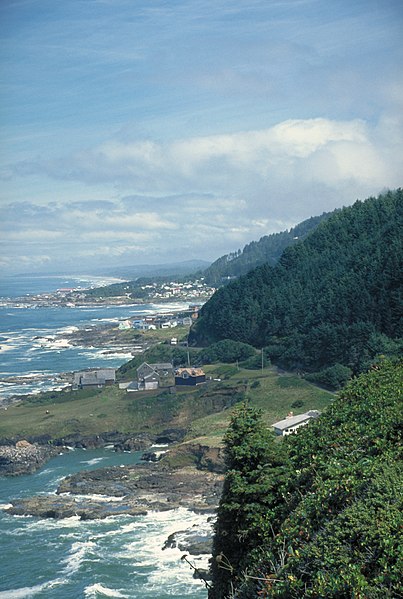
[334, 377]
[226, 351]
[331, 525]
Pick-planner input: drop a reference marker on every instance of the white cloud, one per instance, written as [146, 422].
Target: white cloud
[323, 150]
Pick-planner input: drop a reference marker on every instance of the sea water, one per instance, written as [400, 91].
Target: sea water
[33, 343]
[120, 556]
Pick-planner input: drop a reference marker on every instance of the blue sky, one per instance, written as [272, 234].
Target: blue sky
[151, 131]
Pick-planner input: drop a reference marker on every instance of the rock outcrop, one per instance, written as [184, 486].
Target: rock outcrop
[141, 487]
[24, 457]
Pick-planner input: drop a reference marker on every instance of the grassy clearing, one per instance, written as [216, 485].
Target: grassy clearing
[204, 411]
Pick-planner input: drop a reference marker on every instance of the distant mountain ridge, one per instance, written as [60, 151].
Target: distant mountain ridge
[334, 298]
[187, 267]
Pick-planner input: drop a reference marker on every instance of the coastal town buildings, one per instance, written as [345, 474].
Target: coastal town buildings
[189, 376]
[94, 378]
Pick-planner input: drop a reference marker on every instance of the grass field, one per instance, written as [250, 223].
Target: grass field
[204, 412]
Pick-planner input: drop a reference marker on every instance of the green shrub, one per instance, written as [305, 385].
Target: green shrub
[334, 377]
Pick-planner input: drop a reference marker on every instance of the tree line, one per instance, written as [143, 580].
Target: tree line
[333, 299]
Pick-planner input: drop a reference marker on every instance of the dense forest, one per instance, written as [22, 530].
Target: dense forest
[319, 515]
[267, 250]
[333, 301]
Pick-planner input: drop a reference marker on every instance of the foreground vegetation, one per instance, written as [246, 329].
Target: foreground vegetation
[320, 516]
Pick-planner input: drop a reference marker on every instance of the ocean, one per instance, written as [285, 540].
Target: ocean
[120, 556]
[33, 344]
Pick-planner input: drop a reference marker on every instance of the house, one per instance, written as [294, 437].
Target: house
[189, 376]
[149, 375]
[151, 381]
[161, 368]
[94, 378]
[292, 423]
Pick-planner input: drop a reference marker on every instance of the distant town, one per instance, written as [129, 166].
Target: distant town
[120, 294]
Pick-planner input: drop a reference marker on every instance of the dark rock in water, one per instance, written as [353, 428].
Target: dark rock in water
[142, 487]
[193, 541]
[150, 456]
[135, 443]
[50, 506]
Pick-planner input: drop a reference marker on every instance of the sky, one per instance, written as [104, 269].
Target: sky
[157, 131]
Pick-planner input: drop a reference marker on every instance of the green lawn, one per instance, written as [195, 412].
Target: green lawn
[204, 411]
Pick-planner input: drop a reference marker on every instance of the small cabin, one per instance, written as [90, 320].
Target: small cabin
[189, 376]
[292, 423]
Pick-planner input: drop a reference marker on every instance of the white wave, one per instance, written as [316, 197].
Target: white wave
[50, 524]
[97, 589]
[23, 593]
[93, 461]
[111, 319]
[5, 506]
[27, 592]
[101, 498]
[78, 552]
[167, 564]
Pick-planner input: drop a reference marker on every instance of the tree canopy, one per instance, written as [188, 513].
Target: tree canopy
[333, 298]
[323, 517]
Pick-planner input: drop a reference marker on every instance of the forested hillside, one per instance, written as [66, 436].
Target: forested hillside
[333, 299]
[267, 250]
[319, 515]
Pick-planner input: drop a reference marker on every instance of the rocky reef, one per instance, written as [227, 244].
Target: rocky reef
[133, 490]
[24, 457]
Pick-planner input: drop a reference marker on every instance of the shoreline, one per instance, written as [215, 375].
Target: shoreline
[101, 336]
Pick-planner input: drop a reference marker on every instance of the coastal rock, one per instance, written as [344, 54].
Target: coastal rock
[49, 506]
[191, 541]
[202, 456]
[24, 458]
[142, 488]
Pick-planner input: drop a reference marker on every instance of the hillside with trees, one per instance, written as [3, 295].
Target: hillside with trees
[333, 302]
[319, 515]
[267, 250]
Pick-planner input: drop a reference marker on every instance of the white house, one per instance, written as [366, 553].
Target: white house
[292, 423]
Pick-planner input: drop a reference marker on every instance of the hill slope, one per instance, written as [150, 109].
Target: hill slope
[267, 250]
[333, 298]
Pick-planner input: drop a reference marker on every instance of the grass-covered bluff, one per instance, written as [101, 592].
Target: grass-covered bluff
[204, 412]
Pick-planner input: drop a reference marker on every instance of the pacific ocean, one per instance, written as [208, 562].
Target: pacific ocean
[120, 556]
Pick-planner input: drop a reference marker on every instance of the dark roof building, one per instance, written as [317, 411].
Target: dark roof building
[94, 378]
[189, 376]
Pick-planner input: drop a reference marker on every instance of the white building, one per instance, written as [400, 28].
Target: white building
[293, 423]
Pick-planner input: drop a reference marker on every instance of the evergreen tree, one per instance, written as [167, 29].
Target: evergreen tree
[252, 497]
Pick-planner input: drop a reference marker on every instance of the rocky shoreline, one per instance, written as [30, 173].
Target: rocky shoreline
[134, 490]
[124, 490]
[24, 457]
[154, 485]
